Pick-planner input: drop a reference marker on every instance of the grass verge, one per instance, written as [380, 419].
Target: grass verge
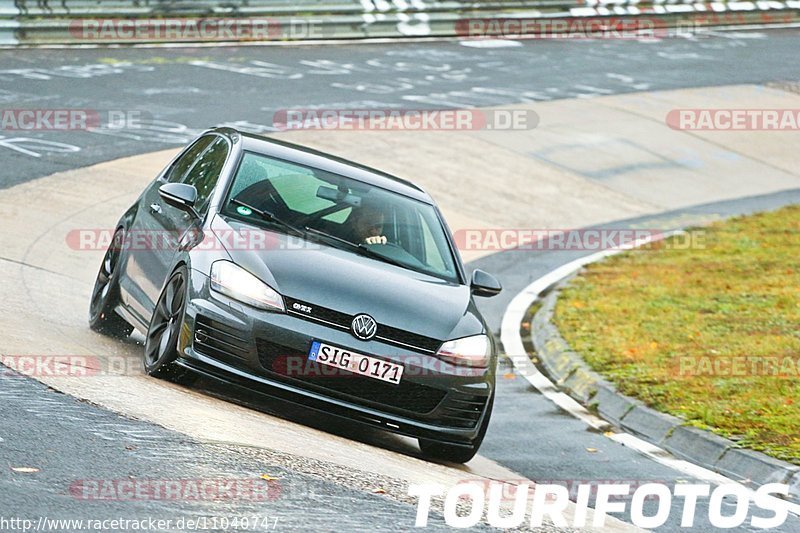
[710, 333]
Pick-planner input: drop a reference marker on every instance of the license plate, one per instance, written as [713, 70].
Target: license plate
[355, 362]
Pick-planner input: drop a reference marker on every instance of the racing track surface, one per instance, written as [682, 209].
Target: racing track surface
[185, 90]
[44, 308]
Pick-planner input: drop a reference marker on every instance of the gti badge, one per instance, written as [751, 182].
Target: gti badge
[364, 327]
[300, 307]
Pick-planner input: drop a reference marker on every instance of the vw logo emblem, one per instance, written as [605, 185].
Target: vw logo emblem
[364, 327]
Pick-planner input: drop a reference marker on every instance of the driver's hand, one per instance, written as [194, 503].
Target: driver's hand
[380, 239]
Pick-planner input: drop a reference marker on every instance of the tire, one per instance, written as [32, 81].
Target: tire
[105, 295]
[163, 333]
[457, 454]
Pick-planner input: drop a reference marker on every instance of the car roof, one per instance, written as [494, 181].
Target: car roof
[304, 155]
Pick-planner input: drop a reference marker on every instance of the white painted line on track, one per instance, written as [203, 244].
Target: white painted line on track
[515, 351]
[490, 43]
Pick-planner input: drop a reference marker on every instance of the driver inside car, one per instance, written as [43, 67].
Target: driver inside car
[366, 225]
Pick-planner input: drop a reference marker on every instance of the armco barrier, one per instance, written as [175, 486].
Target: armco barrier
[78, 22]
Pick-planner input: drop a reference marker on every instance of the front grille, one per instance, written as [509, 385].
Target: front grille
[220, 340]
[293, 365]
[342, 320]
[462, 409]
[388, 334]
[406, 338]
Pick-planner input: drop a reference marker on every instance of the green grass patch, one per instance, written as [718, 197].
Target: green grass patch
[639, 316]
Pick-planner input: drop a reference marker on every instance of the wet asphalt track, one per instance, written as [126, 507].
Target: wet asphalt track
[178, 92]
[181, 91]
[90, 460]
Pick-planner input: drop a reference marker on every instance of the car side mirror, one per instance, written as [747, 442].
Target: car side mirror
[180, 195]
[484, 284]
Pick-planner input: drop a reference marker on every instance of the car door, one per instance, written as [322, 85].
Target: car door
[160, 226]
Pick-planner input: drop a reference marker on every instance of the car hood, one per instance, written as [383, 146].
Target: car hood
[350, 283]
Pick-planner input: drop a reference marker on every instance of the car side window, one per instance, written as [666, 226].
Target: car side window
[185, 162]
[205, 172]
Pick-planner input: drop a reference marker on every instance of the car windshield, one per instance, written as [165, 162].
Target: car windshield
[344, 212]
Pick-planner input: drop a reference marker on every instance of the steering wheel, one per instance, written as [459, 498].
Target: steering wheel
[387, 243]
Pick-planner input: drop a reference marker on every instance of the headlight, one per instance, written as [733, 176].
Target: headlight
[469, 351]
[239, 284]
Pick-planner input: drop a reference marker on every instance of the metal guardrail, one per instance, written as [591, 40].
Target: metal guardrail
[80, 22]
[80, 8]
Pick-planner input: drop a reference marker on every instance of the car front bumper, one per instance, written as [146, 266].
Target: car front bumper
[267, 353]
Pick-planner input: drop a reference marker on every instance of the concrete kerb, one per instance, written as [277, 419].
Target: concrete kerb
[568, 370]
[794, 486]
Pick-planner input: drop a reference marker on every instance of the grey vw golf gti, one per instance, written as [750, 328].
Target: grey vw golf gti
[309, 278]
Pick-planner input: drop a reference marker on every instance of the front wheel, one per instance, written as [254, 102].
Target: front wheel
[105, 295]
[457, 454]
[161, 345]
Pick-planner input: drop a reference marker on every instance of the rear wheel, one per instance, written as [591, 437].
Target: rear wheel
[105, 296]
[453, 453]
[161, 345]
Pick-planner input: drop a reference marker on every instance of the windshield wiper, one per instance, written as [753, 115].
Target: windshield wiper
[305, 231]
[269, 217]
[363, 248]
